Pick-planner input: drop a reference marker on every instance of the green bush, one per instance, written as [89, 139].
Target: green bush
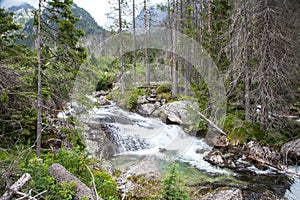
[163, 88]
[76, 162]
[173, 186]
[106, 186]
[105, 81]
[133, 96]
[67, 190]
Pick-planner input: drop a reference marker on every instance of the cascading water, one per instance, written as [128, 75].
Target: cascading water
[126, 137]
[133, 134]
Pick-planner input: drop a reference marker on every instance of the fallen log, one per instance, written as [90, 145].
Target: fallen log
[16, 187]
[61, 174]
[212, 123]
[279, 168]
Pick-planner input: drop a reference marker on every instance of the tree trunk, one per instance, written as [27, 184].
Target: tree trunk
[245, 64]
[174, 56]
[145, 44]
[134, 41]
[39, 93]
[121, 47]
[61, 174]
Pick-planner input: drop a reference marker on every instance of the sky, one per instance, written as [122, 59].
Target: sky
[97, 8]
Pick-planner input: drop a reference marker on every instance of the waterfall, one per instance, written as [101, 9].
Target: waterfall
[132, 134]
[126, 138]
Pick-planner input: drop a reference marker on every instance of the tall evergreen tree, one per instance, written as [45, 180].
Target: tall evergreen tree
[9, 50]
[60, 52]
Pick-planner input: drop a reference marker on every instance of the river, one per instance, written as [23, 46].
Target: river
[129, 137]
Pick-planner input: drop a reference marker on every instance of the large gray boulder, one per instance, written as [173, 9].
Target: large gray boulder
[146, 109]
[179, 112]
[291, 152]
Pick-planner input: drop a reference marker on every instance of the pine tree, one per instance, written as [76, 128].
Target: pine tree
[60, 52]
[9, 50]
[173, 187]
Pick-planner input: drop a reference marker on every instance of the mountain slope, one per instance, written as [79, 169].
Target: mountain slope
[24, 16]
[23, 13]
[155, 16]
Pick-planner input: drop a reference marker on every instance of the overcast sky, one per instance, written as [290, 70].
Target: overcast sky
[97, 8]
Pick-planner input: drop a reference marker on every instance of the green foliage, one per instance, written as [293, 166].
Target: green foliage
[4, 97]
[128, 100]
[105, 81]
[166, 95]
[173, 187]
[67, 190]
[132, 103]
[240, 131]
[202, 94]
[164, 88]
[75, 161]
[9, 50]
[216, 41]
[106, 186]
[61, 53]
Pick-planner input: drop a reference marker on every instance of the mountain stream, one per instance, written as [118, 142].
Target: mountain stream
[125, 138]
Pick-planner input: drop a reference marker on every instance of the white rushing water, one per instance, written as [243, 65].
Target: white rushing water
[137, 135]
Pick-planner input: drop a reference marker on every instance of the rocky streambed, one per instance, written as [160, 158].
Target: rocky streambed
[143, 147]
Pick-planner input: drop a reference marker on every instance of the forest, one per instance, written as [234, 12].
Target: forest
[237, 59]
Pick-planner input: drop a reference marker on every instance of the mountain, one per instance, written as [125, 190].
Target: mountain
[155, 15]
[24, 16]
[23, 13]
[87, 22]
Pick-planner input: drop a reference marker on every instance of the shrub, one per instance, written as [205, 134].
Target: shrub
[164, 88]
[75, 161]
[105, 81]
[173, 187]
[106, 186]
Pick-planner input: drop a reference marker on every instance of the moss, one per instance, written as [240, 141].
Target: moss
[164, 88]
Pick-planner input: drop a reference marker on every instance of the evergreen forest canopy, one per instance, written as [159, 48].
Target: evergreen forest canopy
[255, 45]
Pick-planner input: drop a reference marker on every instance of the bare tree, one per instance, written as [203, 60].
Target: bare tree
[134, 40]
[121, 45]
[245, 64]
[174, 56]
[145, 44]
[39, 94]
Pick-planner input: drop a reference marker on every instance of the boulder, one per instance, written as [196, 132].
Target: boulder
[228, 160]
[220, 141]
[101, 93]
[224, 194]
[291, 152]
[216, 158]
[103, 101]
[146, 109]
[179, 112]
[61, 175]
[142, 100]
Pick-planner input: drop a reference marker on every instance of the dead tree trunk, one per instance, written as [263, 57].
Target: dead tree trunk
[16, 187]
[61, 174]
